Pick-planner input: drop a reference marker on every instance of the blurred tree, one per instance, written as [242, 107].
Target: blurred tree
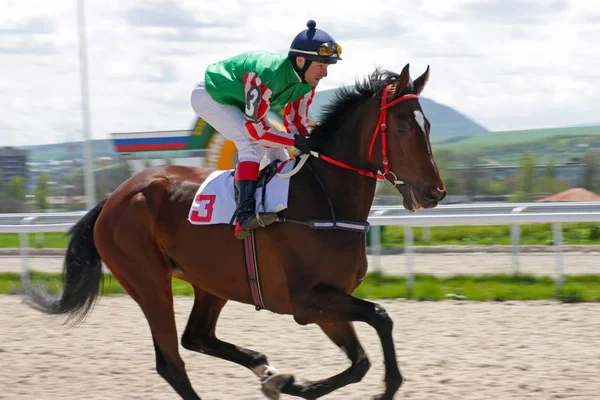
[549, 183]
[443, 159]
[452, 182]
[471, 178]
[16, 188]
[41, 193]
[526, 175]
[498, 187]
[14, 195]
[590, 178]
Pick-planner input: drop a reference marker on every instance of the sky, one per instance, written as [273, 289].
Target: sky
[507, 64]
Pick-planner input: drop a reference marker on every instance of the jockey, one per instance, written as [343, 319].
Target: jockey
[236, 94]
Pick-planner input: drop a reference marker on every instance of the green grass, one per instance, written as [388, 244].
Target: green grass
[54, 240]
[489, 287]
[582, 288]
[11, 283]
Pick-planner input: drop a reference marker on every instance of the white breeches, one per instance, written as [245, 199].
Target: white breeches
[229, 121]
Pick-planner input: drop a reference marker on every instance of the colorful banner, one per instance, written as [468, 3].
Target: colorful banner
[221, 153]
[150, 141]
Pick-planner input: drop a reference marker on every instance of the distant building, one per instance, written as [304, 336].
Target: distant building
[13, 162]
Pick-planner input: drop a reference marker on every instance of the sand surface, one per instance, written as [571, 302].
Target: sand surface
[446, 350]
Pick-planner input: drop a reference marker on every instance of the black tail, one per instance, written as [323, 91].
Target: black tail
[82, 274]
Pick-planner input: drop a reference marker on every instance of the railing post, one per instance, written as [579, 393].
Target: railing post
[376, 243]
[24, 243]
[558, 238]
[515, 237]
[376, 247]
[408, 248]
[426, 234]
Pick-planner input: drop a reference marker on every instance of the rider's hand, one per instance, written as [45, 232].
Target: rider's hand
[304, 143]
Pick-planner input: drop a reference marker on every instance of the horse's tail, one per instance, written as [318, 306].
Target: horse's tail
[82, 274]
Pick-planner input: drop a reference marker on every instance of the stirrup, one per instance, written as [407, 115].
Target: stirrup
[266, 219]
[239, 232]
[259, 220]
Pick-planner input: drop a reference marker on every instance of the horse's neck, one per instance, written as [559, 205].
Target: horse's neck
[351, 193]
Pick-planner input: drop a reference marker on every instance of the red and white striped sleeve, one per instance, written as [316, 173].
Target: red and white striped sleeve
[258, 97]
[295, 115]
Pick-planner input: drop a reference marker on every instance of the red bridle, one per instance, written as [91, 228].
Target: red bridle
[381, 126]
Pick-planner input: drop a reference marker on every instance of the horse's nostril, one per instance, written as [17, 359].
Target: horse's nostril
[433, 193]
[436, 194]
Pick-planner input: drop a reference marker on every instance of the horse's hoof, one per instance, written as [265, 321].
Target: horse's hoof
[272, 386]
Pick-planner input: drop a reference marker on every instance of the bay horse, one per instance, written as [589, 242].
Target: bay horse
[374, 130]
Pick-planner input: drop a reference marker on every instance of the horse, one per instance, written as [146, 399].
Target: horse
[374, 130]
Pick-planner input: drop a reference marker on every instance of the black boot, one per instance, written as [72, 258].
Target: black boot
[246, 208]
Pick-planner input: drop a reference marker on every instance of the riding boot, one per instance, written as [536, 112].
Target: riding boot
[246, 208]
[246, 175]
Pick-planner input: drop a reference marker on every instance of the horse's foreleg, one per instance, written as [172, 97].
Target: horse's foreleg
[343, 335]
[327, 305]
[200, 336]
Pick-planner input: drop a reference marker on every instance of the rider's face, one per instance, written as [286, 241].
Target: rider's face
[315, 72]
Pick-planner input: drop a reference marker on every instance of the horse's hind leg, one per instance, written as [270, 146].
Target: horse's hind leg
[343, 335]
[169, 365]
[151, 289]
[200, 336]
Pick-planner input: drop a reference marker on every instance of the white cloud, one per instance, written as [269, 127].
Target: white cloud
[33, 26]
[508, 64]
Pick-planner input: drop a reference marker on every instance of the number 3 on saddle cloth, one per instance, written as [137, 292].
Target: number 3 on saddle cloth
[215, 203]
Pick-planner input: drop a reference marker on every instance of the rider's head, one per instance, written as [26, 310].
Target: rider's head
[312, 51]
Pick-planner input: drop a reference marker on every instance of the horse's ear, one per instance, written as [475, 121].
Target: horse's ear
[420, 82]
[402, 80]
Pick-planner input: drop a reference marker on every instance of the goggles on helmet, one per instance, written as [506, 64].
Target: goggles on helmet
[329, 49]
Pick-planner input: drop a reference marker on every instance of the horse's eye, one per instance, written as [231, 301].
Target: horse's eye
[403, 127]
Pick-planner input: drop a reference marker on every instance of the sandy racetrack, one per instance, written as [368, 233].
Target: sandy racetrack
[446, 350]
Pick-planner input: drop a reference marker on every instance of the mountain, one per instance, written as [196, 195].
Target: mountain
[444, 120]
[584, 125]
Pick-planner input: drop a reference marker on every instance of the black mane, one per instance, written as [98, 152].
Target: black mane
[347, 99]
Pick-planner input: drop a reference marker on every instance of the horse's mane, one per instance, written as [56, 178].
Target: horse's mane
[347, 99]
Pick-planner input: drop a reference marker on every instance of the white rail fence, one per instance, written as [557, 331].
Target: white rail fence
[453, 215]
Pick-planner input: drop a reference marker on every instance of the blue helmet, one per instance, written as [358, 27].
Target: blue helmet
[315, 45]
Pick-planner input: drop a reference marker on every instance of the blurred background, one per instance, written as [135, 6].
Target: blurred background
[92, 92]
[511, 96]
